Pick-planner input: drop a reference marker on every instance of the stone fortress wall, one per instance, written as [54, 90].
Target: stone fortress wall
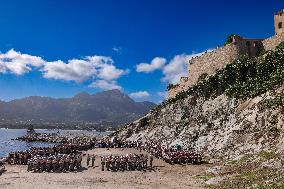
[279, 22]
[210, 62]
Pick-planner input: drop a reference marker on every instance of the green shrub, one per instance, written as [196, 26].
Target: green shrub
[229, 39]
[264, 155]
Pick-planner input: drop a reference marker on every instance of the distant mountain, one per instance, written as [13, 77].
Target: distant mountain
[111, 107]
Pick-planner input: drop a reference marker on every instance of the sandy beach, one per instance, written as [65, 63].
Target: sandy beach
[162, 176]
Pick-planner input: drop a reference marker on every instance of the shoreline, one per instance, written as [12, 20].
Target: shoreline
[22, 145]
[47, 129]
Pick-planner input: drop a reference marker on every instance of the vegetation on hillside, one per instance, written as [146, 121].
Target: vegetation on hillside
[244, 78]
[276, 102]
[252, 171]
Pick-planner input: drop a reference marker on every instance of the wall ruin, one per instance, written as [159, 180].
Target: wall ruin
[210, 62]
[272, 42]
[279, 22]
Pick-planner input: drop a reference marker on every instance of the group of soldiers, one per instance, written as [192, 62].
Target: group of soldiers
[67, 156]
[59, 158]
[55, 163]
[22, 157]
[172, 155]
[128, 162]
[107, 143]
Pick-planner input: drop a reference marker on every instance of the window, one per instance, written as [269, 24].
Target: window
[280, 25]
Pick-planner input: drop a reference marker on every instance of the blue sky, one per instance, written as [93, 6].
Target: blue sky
[60, 48]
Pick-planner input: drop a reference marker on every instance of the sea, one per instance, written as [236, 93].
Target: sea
[7, 144]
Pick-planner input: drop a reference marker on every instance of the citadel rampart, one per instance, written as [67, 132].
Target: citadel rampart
[210, 62]
[272, 42]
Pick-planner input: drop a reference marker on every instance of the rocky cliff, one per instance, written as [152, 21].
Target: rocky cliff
[220, 127]
[237, 111]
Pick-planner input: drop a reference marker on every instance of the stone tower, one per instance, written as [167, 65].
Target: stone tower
[279, 22]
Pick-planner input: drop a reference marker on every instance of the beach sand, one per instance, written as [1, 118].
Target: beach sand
[162, 176]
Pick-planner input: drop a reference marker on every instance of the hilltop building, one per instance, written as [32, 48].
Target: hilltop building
[210, 62]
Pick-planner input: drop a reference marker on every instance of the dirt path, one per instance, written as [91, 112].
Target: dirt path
[163, 176]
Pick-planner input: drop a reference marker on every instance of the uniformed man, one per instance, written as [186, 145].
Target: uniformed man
[151, 161]
[48, 164]
[72, 161]
[88, 160]
[93, 160]
[67, 163]
[113, 168]
[55, 164]
[103, 163]
[29, 165]
[61, 164]
[36, 165]
[107, 163]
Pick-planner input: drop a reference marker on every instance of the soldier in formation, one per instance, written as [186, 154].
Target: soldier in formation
[59, 163]
[93, 160]
[171, 155]
[157, 149]
[129, 162]
[88, 160]
[21, 158]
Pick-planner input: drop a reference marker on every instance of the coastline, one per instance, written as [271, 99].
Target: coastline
[8, 143]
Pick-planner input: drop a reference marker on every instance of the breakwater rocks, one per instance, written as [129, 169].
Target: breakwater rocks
[57, 138]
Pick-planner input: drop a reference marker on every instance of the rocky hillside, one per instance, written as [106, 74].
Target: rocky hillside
[235, 112]
[111, 106]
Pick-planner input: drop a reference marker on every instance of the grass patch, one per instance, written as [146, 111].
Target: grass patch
[265, 155]
[265, 178]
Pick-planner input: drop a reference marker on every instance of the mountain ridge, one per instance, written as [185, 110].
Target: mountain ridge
[110, 106]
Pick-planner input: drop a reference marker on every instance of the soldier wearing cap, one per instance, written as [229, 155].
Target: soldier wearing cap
[93, 160]
[55, 164]
[103, 163]
[88, 160]
[151, 161]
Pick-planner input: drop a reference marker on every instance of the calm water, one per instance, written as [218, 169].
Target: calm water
[8, 145]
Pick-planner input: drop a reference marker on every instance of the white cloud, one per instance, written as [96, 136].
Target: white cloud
[178, 67]
[99, 69]
[105, 85]
[74, 70]
[156, 63]
[139, 94]
[174, 70]
[17, 63]
[79, 70]
[110, 72]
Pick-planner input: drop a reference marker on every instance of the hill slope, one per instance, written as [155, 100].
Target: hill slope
[237, 111]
